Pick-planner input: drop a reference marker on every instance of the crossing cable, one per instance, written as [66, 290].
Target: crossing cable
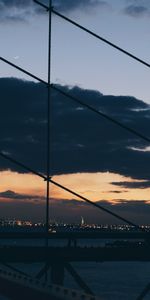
[93, 34]
[75, 99]
[92, 109]
[114, 46]
[55, 183]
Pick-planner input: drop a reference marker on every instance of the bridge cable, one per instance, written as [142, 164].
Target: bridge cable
[101, 38]
[91, 108]
[93, 34]
[23, 70]
[22, 165]
[48, 122]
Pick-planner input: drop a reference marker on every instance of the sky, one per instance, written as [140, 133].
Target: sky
[88, 154]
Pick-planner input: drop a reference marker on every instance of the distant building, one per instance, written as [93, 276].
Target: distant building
[82, 221]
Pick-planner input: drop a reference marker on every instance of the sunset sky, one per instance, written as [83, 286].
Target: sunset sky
[88, 154]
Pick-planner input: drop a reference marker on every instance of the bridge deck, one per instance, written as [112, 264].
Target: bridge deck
[75, 235]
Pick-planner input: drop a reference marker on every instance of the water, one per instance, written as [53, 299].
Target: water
[109, 280]
[115, 280]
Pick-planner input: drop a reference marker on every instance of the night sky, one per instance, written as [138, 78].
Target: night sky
[89, 154]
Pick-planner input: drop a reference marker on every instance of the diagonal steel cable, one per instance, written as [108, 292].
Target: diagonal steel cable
[92, 109]
[22, 165]
[101, 38]
[23, 70]
[93, 34]
[103, 115]
[41, 4]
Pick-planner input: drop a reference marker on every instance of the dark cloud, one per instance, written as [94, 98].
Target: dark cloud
[21, 10]
[71, 210]
[16, 196]
[17, 10]
[136, 10]
[81, 141]
[24, 205]
[116, 192]
[137, 211]
[133, 185]
[69, 5]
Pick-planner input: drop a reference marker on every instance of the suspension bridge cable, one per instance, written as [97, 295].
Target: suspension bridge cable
[94, 34]
[114, 46]
[20, 164]
[23, 70]
[94, 110]
[41, 4]
[48, 119]
[101, 38]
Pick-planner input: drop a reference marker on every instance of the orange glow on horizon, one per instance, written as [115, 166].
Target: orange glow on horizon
[95, 186]
[21, 183]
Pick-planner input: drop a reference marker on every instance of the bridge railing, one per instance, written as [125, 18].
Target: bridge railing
[56, 291]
